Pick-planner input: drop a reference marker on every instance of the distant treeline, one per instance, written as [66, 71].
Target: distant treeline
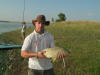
[4, 21]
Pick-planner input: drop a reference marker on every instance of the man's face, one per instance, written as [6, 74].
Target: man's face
[39, 26]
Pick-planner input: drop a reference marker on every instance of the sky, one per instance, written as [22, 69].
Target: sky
[12, 10]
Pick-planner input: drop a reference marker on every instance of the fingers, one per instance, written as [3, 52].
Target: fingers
[62, 55]
[41, 54]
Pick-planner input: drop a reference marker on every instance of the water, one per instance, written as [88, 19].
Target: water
[6, 26]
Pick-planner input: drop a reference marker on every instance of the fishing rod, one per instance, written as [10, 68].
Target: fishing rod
[24, 10]
[23, 30]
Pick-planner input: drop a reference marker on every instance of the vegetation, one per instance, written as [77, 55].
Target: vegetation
[4, 21]
[82, 38]
[61, 16]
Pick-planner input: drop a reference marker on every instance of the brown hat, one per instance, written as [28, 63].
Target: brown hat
[41, 18]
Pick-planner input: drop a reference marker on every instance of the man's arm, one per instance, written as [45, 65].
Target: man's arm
[26, 54]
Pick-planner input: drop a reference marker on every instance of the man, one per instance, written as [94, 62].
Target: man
[33, 47]
[23, 30]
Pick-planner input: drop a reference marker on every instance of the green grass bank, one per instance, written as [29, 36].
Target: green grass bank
[82, 38]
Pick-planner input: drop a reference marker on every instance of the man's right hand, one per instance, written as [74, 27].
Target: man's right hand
[41, 54]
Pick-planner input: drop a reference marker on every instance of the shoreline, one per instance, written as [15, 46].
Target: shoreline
[8, 31]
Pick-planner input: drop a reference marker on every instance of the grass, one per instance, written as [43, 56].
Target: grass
[82, 38]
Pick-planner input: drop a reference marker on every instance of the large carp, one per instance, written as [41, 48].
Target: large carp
[54, 52]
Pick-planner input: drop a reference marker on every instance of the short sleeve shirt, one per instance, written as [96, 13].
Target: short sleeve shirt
[44, 40]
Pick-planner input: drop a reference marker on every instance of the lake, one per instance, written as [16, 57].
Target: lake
[8, 26]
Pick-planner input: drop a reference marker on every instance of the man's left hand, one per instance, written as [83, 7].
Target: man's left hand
[61, 55]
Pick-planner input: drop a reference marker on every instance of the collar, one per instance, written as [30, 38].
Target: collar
[40, 35]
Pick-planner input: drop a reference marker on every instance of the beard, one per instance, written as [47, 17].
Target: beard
[40, 30]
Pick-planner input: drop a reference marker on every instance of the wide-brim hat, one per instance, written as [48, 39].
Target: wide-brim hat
[41, 18]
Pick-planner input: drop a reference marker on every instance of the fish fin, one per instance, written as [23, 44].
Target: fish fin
[53, 60]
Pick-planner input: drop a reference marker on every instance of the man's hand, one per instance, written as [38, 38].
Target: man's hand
[61, 55]
[41, 54]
